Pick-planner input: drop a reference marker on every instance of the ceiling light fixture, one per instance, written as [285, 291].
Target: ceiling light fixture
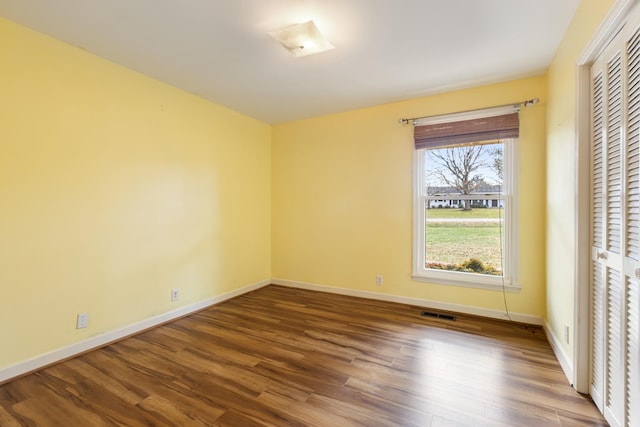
[302, 39]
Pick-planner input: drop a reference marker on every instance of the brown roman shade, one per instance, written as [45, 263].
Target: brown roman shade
[466, 131]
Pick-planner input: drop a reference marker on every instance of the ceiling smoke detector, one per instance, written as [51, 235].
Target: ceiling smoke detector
[302, 39]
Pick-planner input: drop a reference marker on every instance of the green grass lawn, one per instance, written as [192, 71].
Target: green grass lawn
[454, 243]
[459, 213]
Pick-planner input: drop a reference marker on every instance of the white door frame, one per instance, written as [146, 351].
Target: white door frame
[582, 325]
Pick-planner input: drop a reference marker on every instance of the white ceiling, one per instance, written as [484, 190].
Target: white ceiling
[386, 50]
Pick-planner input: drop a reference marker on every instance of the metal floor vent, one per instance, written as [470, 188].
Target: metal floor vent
[438, 315]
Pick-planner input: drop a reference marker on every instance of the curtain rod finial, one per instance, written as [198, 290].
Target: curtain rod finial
[403, 122]
[531, 102]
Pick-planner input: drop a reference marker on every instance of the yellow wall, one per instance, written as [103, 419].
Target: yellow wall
[343, 199]
[561, 165]
[115, 188]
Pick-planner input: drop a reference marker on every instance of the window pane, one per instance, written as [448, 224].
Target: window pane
[464, 214]
[464, 240]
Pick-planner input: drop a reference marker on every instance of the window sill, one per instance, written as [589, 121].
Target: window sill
[452, 281]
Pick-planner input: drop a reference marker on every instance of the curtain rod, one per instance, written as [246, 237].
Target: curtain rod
[526, 103]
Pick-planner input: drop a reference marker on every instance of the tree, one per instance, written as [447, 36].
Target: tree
[457, 167]
[497, 162]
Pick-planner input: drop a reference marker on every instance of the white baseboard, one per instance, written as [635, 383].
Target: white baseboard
[561, 355]
[459, 308]
[101, 340]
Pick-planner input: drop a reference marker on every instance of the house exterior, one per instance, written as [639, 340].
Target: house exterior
[445, 197]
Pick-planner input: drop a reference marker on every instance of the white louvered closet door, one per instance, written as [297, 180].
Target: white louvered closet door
[632, 247]
[615, 229]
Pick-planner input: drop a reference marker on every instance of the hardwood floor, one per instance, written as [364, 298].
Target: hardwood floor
[288, 357]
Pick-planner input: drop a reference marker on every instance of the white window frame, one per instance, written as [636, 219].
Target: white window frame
[509, 280]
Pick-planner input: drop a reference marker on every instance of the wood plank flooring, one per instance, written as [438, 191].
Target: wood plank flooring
[287, 357]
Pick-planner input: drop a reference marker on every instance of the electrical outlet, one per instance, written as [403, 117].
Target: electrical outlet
[175, 295]
[83, 321]
[379, 280]
[566, 333]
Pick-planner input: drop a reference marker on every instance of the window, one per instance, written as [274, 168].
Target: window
[465, 230]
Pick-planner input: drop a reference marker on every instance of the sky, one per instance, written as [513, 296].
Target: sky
[433, 166]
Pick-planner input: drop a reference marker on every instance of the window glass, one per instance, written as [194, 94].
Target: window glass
[464, 214]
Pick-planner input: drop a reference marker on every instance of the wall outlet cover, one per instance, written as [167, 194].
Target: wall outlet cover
[82, 321]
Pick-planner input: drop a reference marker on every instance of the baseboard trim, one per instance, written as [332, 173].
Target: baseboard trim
[561, 355]
[75, 349]
[459, 308]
